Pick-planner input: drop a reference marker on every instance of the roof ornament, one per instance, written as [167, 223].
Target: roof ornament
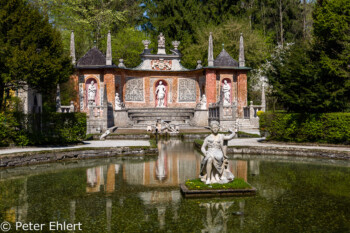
[210, 50]
[161, 44]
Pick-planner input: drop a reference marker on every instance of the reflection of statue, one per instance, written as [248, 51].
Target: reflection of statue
[91, 177]
[92, 93]
[118, 104]
[217, 216]
[204, 102]
[160, 93]
[214, 166]
[161, 166]
[161, 40]
[227, 93]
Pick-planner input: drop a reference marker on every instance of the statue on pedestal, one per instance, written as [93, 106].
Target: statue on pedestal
[92, 93]
[161, 40]
[214, 166]
[204, 102]
[160, 94]
[117, 103]
[226, 88]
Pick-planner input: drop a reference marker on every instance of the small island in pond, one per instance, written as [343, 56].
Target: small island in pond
[196, 188]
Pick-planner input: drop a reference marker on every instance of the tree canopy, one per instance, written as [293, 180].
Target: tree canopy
[315, 76]
[31, 49]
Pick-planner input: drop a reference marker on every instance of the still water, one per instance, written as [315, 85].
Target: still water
[141, 194]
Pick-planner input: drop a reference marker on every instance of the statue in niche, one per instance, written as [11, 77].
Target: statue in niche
[160, 94]
[161, 40]
[214, 166]
[226, 88]
[204, 102]
[118, 104]
[92, 93]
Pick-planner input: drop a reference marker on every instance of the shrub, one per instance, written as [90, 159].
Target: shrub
[295, 127]
[40, 129]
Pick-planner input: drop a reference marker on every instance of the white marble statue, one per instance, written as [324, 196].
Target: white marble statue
[214, 166]
[160, 94]
[227, 93]
[118, 104]
[161, 40]
[204, 102]
[92, 92]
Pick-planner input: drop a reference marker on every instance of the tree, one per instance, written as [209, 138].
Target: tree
[90, 19]
[331, 49]
[293, 77]
[31, 49]
[227, 33]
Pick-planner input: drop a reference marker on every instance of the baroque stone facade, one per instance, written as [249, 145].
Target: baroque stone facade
[136, 87]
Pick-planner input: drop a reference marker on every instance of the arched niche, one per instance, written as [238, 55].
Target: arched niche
[87, 85]
[166, 85]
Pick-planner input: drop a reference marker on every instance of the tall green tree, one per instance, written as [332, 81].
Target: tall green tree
[31, 49]
[228, 35]
[316, 77]
[332, 50]
[90, 19]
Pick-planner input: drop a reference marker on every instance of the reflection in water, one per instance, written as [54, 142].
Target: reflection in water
[174, 165]
[132, 196]
[217, 216]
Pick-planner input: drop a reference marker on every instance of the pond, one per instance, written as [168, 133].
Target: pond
[141, 194]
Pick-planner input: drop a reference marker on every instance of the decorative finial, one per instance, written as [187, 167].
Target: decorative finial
[241, 59]
[210, 51]
[175, 44]
[223, 46]
[109, 50]
[199, 64]
[146, 43]
[72, 47]
[121, 63]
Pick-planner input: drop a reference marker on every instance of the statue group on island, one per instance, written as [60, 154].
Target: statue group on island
[214, 165]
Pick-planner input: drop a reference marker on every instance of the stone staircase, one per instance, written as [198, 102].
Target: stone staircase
[248, 124]
[148, 116]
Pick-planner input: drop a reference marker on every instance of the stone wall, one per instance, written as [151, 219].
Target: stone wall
[21, 159]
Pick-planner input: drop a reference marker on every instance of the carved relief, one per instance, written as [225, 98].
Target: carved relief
[187, 90]
[134, 89]
[81, 96]
[101, 93]
[161, 64]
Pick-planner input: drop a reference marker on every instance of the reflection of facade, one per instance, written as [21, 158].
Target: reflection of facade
[101, 178]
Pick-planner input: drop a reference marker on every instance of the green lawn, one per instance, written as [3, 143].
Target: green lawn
[197, 184]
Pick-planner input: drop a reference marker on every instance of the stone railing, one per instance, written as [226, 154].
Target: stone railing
[251, 111]
[66, 108]
[214, 111]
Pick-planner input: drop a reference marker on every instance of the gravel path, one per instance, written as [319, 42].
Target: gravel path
[255, 142]
[87, 144]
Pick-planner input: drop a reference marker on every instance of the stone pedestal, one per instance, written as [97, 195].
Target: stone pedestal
[200, 118]
[121, 118]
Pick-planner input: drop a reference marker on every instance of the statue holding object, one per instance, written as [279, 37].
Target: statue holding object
[214, 165]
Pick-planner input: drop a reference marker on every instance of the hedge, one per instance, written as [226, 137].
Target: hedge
[41, 129]
[296, 127]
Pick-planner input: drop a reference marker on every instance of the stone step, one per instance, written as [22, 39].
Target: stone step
[166, 110]
[162, 114]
